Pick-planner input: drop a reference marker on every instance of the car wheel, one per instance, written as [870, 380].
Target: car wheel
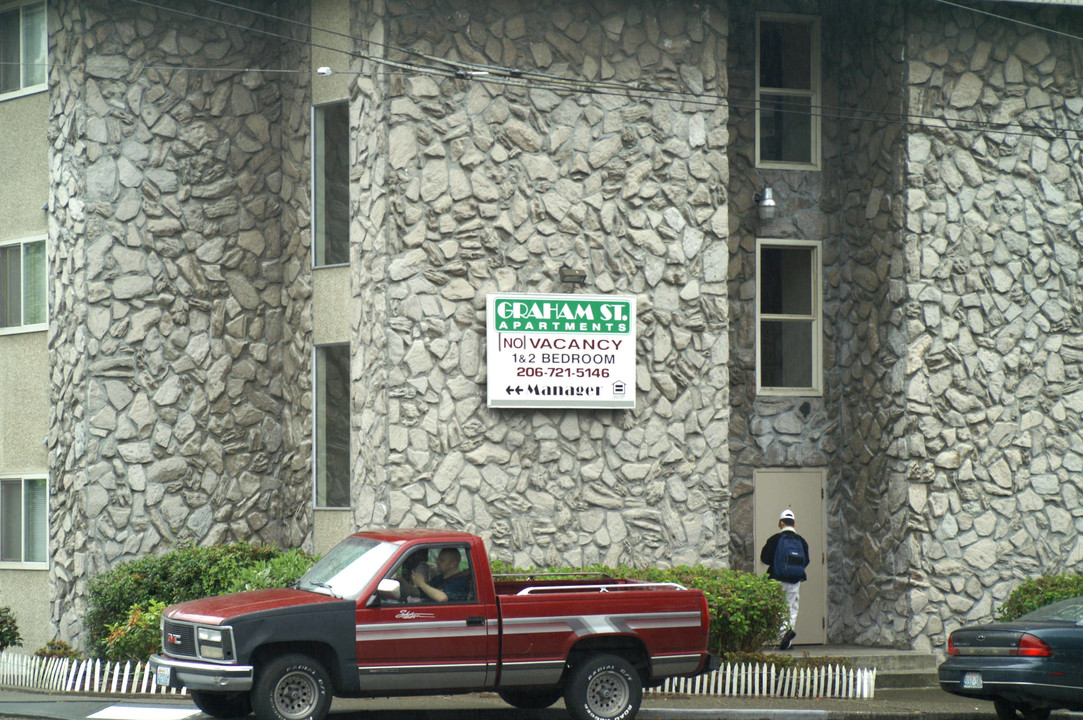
[223, 704]
[1018, 711]
[530, 698]
[603, 687]
[292, 687]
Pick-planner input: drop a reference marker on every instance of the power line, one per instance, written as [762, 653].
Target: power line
[529, 80]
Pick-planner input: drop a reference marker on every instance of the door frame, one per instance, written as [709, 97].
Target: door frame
[805, 491]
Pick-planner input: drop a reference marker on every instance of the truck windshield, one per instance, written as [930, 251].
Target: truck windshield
[346, 570]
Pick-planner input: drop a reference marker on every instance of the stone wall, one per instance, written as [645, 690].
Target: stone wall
[466, 187]
[178, 333]
[994, 363]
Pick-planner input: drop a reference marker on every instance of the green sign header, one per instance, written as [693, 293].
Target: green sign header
[563, 315]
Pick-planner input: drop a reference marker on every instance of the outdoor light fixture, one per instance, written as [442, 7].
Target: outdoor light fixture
[765, 202]
[571, 275]
[325, 71]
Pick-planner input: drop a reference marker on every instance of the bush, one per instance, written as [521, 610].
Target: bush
[186, 573]
[58, 649]
[747, 610]
[9, 630]
[280, 571]
[1039, 592]
[138, 636]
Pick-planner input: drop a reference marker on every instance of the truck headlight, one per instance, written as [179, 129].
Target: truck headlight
[211, 643]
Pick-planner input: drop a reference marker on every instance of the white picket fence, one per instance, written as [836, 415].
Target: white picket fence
[765, 680]
[29, 672]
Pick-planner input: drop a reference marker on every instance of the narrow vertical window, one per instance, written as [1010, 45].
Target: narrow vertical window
[331, 184]
[332, 426]
[23, 47]
[789, 319]
[24, 520]
[22, 284]
[788, 92]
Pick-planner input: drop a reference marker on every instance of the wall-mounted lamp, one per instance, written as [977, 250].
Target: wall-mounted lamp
[325, 71]
[573, 276]
[765, 204]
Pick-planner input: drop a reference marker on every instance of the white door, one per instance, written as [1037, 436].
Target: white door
[801, 490]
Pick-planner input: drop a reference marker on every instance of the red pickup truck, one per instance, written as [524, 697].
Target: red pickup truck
[415, 612]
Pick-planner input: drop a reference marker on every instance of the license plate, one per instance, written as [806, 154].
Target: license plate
[972, 680]
[164, 676]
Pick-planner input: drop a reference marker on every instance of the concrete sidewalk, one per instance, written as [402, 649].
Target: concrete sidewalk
[910, 704]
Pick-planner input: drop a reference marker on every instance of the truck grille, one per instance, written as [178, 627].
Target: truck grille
[178, 639]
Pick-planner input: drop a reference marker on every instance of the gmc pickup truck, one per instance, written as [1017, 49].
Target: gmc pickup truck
[415, 612]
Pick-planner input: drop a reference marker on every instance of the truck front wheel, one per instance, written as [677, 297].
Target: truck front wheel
[223, 704]
[292, 687]
[603, 687]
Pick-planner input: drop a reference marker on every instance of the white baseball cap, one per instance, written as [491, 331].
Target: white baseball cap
[787, 514]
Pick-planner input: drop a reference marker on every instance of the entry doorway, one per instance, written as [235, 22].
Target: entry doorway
[801, 490]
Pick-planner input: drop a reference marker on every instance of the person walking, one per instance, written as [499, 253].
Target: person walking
[786, 556]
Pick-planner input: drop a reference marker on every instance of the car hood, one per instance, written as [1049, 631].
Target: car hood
[221, 608]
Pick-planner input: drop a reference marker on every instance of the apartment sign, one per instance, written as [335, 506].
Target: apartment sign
[561, 351]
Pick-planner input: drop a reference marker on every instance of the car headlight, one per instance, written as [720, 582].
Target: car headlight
[210, 636]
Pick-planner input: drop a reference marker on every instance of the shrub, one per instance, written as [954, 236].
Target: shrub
[1039, 592]
[58, 649]
[747, 610]
[186, 573]
[9, 630]
[280, 571]
[138, 636]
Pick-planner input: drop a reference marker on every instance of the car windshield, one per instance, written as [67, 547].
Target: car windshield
[346, 570]
[1070, 610]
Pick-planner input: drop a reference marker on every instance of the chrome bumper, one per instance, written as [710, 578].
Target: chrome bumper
[196, 675]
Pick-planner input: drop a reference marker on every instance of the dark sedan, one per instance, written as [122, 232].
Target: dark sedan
[1027, 667]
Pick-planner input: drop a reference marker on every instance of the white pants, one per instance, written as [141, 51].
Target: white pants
[793, 599]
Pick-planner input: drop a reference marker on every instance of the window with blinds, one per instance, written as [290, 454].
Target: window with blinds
[22, 285]
[24, 520]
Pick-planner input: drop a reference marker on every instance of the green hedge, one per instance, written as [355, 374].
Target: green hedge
[9, 630]
[186, 573]
[747, 610]
[1039, 592]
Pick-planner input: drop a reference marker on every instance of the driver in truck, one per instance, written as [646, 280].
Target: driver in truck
[450, 583]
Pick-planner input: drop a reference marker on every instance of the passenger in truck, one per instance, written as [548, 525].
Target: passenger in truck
[450, 583]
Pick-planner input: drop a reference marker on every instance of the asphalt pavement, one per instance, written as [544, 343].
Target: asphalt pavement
[888, 704]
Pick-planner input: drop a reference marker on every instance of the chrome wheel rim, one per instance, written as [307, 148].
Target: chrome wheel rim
[296, 695]
[608, 694]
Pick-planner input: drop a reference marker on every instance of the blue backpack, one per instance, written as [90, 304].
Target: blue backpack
[789, 561]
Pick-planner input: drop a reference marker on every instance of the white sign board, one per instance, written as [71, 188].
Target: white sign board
[571, 351]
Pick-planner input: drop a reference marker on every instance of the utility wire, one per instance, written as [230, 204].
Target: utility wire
[529, 80]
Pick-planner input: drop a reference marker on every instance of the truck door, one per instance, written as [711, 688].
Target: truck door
[414, 642]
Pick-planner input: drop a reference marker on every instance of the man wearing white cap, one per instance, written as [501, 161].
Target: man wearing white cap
[786, 556]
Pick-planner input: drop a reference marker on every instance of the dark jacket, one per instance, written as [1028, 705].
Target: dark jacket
[767, 555]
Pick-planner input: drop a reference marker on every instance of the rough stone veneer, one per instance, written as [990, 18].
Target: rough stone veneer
[464, 188]
[180, 314]
[993, 313]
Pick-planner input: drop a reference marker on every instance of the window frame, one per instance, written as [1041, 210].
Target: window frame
[813, 94]
[319, 187]
[24, 327]
[23, 563]
[815, 317]
[319, 404]
[24, 89]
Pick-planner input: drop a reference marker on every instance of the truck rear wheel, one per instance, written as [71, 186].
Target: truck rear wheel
[603, 687]
[292, 687]
[223, 704]
[530, 698]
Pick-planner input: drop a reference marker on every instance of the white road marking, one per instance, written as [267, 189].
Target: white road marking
[128, 712]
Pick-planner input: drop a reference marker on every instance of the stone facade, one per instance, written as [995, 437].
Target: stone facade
[947, 206]
[179, 204]
[465, 188]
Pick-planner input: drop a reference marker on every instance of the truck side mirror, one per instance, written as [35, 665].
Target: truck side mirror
[388, 588]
